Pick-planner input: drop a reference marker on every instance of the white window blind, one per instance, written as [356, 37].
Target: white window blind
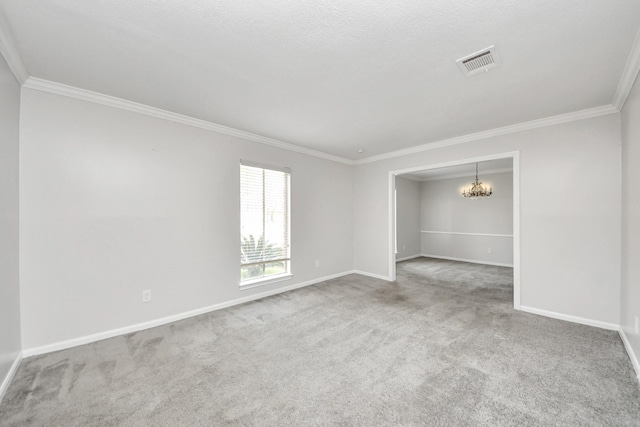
[264, 219]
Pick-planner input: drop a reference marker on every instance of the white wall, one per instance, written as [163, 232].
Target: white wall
[9, 284]
[630, 292]
[570, 213]
[113, 202]
[445, 211]
[407, 218]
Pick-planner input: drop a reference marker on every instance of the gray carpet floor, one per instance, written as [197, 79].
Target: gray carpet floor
[441, 347]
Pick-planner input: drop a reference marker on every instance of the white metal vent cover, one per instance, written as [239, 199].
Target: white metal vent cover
[480, 61]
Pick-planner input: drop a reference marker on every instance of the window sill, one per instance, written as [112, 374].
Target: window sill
[249, 284]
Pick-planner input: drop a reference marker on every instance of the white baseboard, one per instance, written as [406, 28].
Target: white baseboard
[374, 275]
[62, 345]
[473, 261]
[408, 258]
[630, 352]
[569, 318]
[12, 372]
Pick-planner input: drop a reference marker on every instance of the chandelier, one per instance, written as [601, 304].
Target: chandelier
[477, 190]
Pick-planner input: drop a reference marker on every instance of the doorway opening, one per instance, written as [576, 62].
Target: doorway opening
[492, 164]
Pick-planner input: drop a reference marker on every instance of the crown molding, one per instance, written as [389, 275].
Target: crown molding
[10, 53]
[533, 124]
[629, 74]
[123, 104]
[457, 175]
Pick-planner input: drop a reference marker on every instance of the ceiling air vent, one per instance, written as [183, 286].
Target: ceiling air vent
[479, 62]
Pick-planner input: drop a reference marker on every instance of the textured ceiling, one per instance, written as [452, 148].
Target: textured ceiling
[334, 76]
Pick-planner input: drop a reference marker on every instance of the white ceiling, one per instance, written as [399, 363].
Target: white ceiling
[466, 170]
[336, 77]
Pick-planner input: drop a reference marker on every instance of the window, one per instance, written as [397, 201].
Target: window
[264, 223]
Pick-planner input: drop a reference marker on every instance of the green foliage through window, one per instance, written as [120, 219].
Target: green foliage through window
[256, 253]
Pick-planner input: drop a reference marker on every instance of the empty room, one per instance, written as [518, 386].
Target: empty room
[319, 213]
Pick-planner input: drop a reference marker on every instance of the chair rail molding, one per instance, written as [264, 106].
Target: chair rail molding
[462, 233]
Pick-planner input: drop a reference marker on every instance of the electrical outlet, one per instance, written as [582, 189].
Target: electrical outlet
[636, 327]
[317, 263]
[489, 250]
[146, 296]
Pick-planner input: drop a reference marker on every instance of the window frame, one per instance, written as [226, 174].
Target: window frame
[274, 278]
